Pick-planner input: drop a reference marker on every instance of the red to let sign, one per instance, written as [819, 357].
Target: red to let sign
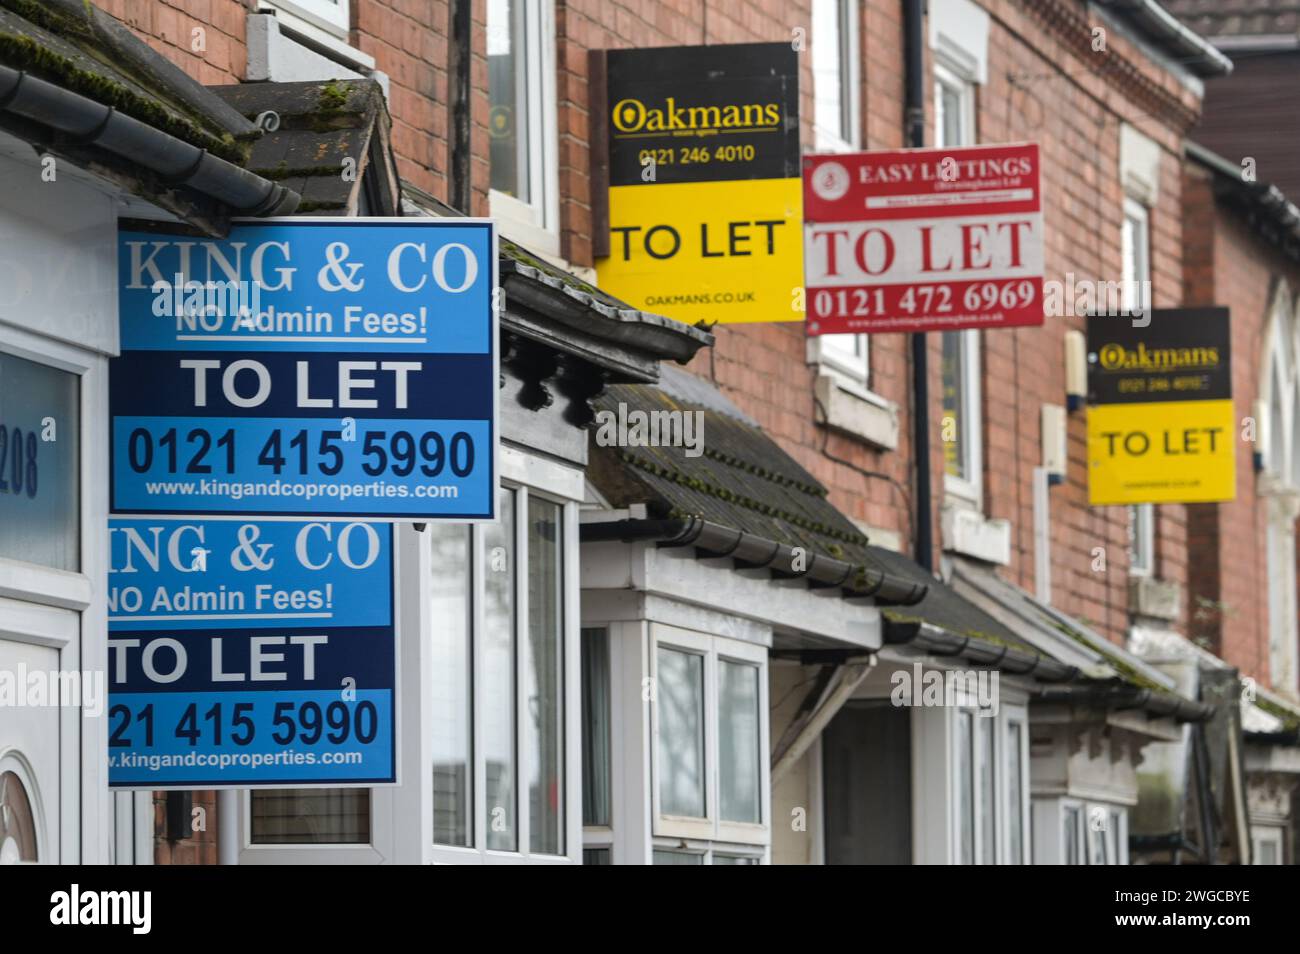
[923, 239]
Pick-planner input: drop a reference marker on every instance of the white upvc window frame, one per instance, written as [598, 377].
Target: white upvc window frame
[1266, 834]
[845, 355]
[1135, 251]
[848, 79]
[1114, 832]
[968, 488]
[478, 852]
[1006, 716]
[1142, 539]
[712, 828]
[332, 17]
[66, 611]
[535, 224]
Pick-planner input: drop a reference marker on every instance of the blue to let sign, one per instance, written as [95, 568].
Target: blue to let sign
[300, 368]
[250, 654]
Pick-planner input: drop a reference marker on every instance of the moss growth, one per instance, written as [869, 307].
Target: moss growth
[1117, 662]
[51, 20]
[283, 171]
[22, 52]
[730, 496]
[305, 208]
[1290, 720]
[333, 96]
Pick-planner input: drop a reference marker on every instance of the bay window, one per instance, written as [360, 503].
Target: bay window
[990, 751]
[708, 699]
[498, 655]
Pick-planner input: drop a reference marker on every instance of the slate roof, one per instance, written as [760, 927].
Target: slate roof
[1222, 18]
[322, 125]
[742, 480]
[80, 48]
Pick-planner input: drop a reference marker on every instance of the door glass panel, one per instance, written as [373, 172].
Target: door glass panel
[40, 437]
[966, 786]
[17, 822]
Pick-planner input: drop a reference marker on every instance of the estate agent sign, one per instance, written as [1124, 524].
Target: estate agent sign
[341, 368]
[924, 239]
[703, 181]
[1160, 416]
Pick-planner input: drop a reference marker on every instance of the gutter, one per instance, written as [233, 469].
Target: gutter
[91, 123]
[1193, 50]
[934, 641]
[1124, 697]
[754, 552]
[629, 328]
[1271, 202]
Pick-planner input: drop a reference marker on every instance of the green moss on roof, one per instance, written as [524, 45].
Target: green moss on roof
[305, 208]
[749, 503]
[1290, 720]
[895, 615]
[23, 52]
[1114, 659]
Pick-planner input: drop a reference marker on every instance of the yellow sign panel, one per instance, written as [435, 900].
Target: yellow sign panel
[1171, 452]
[710, 251]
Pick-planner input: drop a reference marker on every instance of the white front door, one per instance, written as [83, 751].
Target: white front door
[31, 638]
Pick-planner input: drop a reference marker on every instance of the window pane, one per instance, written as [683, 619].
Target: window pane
[954, 405]
[738, 742]
[508, 121]
[1015, 795]
[596, 856]
[595, 727]
[829, 67]
[1070, 835]
[966, 786]
[664, 857]
[720, 859]
[949, 115]
[453, 677]
[680, 697]
[544, 675]
[40, 503]
[311, 816]
[1112, 837]
[498, 654]
[988, 804]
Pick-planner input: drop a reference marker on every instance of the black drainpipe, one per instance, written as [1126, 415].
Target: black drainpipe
[460, 60]
[914, 131]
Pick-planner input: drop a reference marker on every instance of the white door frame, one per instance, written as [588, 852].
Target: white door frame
[83, 813]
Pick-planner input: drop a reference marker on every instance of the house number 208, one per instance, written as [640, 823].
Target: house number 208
[18, 472]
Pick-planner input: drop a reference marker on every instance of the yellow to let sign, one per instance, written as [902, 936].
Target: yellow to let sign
[729, 251]
[1170, 452]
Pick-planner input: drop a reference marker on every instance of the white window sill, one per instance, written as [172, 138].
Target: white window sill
[330, 38]
[851, 409]
[970, 533]
[518, 222]
[1154, 598]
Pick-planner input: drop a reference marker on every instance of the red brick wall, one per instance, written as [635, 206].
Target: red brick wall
[1228, 264]
[1075, 115]
[168, 26]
